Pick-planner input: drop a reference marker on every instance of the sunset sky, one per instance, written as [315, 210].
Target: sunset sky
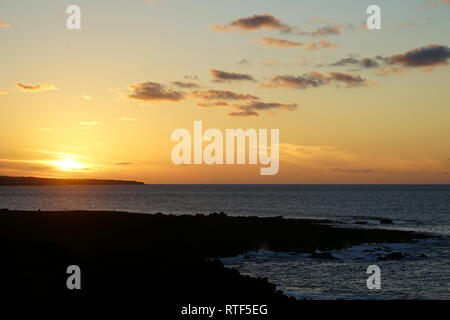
[352, 105]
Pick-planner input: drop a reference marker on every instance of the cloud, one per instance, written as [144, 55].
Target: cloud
[367, 63]
[152, 91]
[123, 163]
[253, 23]
[218, 98]
[322, 44]
[185, 84]
[355, 170]
[245, 113]
[191, 77]
[2, 92]
[36, 88]
[424, 58]
[310, 80]
[221, 95]
[315, 79]
[19, 167]
[279, 43]
[245, 62]
[385, 71]
[332, 161]
[222, 76]
[4, 24]
[348, 79]
[283, 64]
[327, 30]
[86, 97]
[428, 56]
[252, 108]
[212, 104]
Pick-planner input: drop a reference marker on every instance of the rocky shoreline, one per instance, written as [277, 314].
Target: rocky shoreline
[156, 256]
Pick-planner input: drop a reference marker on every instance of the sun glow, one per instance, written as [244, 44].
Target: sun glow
[68, 164]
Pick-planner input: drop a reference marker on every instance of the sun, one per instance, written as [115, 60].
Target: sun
[68, 164]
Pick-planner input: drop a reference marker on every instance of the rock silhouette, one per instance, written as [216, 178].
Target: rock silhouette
[160, 257]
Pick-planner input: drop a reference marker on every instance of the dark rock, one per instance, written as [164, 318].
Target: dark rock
[156, 256]
[323, 255]
[392, 256]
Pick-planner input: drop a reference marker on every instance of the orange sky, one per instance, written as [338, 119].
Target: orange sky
[352, 105]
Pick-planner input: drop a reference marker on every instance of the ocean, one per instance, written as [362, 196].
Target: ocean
[422, 273]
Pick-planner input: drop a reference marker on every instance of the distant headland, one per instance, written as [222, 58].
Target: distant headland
[33, 181]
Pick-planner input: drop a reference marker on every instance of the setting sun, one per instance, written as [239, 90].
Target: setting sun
[68, 164]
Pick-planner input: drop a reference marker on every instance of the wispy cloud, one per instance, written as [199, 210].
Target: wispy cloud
[219, 98]
[279, 43]
[309, 80]
[424, 58]
[245, 62]
[332, 159]
[86, 97]
[322, 44]
[355, 62]
[316, 79]
[123, 163]
[224, 76]
[185, 84]
[245, 105]
[222, 95]
[272, 63]
[153, 91]
[272, 42]
[36, 88]
[254, 23]
[327, 30]
[254, 107]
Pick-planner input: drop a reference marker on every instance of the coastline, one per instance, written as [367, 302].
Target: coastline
[33, 181]
[156, 256]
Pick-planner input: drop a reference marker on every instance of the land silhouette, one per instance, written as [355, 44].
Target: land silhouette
[157, 257]
[33, 181]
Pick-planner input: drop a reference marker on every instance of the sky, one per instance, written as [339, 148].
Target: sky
[352, 105]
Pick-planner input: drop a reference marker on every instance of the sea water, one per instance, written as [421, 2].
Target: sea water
[423, 273]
